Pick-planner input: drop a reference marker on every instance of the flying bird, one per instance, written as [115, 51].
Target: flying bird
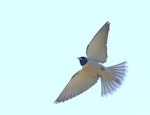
[92, 69]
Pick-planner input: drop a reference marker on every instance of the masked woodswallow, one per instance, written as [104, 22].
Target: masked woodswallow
[111, 77]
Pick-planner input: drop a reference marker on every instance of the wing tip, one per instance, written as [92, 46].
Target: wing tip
[56, 102]
[59, 101]
[107, 24]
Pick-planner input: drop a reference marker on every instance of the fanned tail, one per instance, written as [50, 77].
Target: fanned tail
[112, 78]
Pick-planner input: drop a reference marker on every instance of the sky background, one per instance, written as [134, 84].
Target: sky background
[40, 41]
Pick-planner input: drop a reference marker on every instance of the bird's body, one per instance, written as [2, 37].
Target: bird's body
[92, 70]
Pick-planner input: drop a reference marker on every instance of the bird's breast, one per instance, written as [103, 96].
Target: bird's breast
[94, 67]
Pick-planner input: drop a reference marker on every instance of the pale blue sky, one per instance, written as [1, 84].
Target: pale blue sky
[40, 41]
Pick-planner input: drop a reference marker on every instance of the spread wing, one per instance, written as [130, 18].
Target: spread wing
[97, 49]
[79, 83]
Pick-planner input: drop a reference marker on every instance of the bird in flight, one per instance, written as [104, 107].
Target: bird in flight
[92, 70]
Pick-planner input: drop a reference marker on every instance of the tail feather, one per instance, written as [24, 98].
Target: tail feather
[113, 78]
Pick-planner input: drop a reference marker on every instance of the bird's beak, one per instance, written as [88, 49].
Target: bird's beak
[78, 58]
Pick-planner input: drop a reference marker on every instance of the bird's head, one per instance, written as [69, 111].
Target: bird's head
[83, 60]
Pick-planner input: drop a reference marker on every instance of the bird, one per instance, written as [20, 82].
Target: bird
[93, 69]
